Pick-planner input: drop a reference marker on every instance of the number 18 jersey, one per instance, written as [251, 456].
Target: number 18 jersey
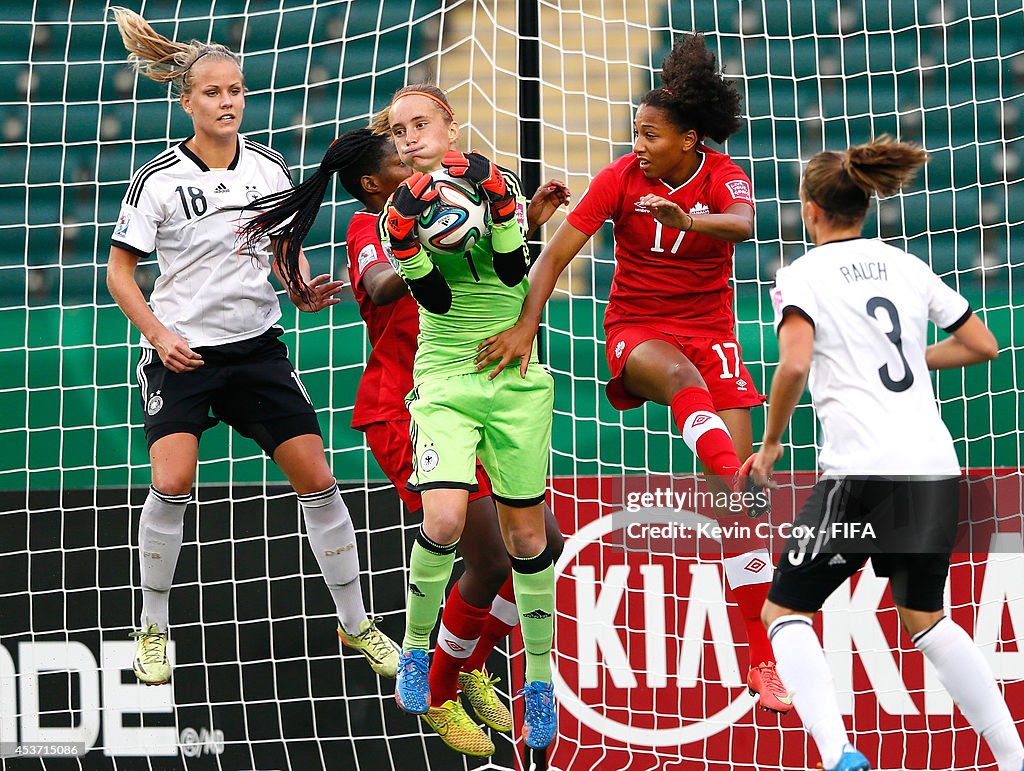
[870, 304]
[210, 291]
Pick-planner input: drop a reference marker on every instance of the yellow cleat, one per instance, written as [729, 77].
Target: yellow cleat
[378, 649]
[458, 730]
[479, 689]
[151, 665]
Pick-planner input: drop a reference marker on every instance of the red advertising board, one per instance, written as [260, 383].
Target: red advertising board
[651, 658]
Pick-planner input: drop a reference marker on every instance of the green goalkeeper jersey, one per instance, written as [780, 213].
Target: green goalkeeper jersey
[482, 305]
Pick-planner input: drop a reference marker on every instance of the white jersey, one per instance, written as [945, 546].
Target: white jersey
[870, 305]
[210, 291]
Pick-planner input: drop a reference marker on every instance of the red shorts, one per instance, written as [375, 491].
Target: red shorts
[392, 448]
[718, 359]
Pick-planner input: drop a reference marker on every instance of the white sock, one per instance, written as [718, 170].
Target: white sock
[805, 673]
[963, 672]
[333, 540]
[160, 530]
[739, 568]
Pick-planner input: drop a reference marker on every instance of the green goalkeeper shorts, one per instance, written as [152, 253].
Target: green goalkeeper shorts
[505, 422]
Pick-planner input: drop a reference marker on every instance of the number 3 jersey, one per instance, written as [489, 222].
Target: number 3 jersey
[870, 305]
[211, 290]
[666, 279]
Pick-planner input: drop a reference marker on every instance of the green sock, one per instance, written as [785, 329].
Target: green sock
[430, 567]
[533, 579]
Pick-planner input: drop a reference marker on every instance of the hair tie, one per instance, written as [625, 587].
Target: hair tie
[667, 91]
[190, 66]
[434, 98]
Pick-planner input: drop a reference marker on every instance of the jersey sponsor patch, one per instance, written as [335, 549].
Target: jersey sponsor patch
[739, 188]
[367, 256]
[121, 229]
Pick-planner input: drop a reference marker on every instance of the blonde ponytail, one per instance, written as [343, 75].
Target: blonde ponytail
[159, 58]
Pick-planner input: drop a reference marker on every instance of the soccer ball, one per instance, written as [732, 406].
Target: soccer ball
[457, 218]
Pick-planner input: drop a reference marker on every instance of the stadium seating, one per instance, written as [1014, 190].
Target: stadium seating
[939, 84]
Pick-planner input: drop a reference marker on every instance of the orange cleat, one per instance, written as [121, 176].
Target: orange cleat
[763, 681]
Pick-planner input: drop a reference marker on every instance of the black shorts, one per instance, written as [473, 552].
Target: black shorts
[250, 385]
[913, 526]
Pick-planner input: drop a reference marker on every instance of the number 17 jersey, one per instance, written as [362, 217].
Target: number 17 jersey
[666, 279]
[870, 304]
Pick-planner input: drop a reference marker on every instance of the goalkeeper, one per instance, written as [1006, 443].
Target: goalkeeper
[459, 413]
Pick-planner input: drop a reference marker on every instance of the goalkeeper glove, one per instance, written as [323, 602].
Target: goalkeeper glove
[426, 283]
[481, 172]
[410, 200]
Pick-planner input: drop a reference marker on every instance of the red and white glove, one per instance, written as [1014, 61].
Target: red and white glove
[482, 173]
[410, 200]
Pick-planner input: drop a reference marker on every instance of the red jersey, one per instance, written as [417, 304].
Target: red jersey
[392, 330]
[670, 280]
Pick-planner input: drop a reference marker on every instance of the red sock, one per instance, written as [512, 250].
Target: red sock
[501, 619]
[704, 432]
[459, 634]
[748, 577]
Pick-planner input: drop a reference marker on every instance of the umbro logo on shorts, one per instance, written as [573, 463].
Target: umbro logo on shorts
[537, 614]
[619, 348]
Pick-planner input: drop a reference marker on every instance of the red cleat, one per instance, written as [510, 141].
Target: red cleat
[763, 681]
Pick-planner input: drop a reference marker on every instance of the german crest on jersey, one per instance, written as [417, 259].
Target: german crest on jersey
[155, 403]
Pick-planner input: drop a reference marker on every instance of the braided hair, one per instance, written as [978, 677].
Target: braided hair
[693, 94]
[288, 215]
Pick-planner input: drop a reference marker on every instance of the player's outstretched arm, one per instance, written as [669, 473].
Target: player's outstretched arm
[972, 343]
[545, 202]
[427, 285]
[319, 292]
[517, 342]
[383, 285]
[796, 346]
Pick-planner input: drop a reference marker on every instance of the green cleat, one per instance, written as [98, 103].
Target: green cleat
[378, 649]
[458, 730]
[478, 686]
[151, 665]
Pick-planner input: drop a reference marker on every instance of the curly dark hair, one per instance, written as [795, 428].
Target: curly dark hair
[693, 94]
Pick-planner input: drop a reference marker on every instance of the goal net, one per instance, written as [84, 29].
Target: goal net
[651, 658]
